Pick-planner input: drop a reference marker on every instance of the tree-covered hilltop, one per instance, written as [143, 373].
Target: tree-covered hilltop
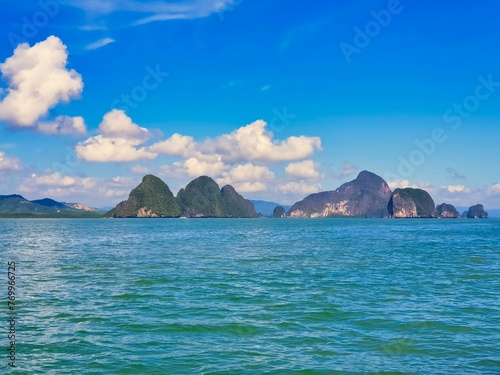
[152, 198]
[411, 203]
[200, 198]
[236, 205]
[203, 198]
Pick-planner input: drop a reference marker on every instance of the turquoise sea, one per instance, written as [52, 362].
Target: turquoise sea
[263, 296]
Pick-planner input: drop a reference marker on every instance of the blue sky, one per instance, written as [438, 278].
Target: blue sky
[279, 99]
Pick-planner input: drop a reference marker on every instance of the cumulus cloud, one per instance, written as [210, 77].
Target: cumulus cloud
[176, 145]
[299, 188]
[119, 141]
[156, 10]
[248, 143]
[196, 168]
[305, 169]
[99, 44]
[57, 186]
[9, 163]
[247, 178]
[456, 189]
[254, 143]
[38, 80]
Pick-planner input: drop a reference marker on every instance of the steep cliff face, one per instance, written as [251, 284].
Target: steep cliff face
[366, 196]
[477, 212]
[411, 203]
[152, 198]
[446, 211]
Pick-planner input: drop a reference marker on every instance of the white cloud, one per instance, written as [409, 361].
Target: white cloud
[119, 141]
[176, 145]
[456, 189]
[398, 184]
[250, 187]
[253, 143]
[9, 163]
[75, 188]
[305, 169]
[116, 124]
[139, 169]
[63, 125]
[299, 188]
[99, 44]
[196, 168]
[247, 172]
[247, 178]
[157, 10]
[494, 190]
[38, 80]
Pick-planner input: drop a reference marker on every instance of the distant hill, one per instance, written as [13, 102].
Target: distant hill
[17, 206]
[267, 208]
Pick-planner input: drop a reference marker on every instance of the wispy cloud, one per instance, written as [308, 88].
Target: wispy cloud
[455, 175]
[99, 43]
[301, 34]
[157, 10]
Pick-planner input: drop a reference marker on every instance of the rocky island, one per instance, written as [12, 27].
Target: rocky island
[201, 198]
[446, 211]
[411, 203]
[477, 212]
[366, 196]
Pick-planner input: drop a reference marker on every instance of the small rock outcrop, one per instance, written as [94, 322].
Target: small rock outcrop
[364, 197]
[446, 211]
[411, 203]
[477, 212]
[152, 198]
[279, 212]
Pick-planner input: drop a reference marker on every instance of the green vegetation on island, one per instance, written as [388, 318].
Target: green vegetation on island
[367, 196]
[16, 206]
[152, 198]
